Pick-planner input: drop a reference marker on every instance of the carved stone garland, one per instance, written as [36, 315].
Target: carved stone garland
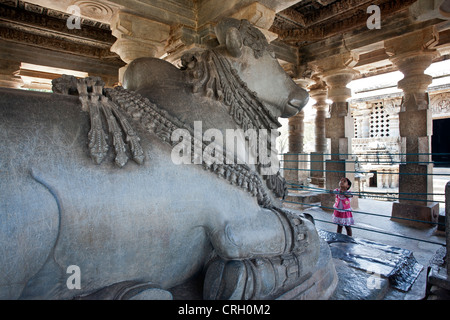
[213, 74]
[110, 103]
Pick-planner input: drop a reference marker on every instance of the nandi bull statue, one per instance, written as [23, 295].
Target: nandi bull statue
[95, 202]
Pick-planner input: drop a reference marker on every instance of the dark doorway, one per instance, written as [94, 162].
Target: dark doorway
[440, 142]
[373, 182]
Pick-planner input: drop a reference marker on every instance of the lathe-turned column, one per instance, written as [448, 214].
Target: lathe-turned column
[318, 92]
[412, 54]
[292, 160]
[340, 131]
[339, 127]
[296, 162]
[296, 133]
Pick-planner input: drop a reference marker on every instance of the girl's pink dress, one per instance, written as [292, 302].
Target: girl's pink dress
[343, 218]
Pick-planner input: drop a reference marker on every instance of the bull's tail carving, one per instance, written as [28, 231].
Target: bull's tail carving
[98, 145]
[90, 91]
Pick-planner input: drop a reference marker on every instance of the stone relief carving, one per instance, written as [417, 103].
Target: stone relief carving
[440, 104]
[95, 10]
[151, 220]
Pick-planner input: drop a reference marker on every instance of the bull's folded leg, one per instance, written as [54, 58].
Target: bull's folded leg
[128, 290]
[255, 279]
[259, 275]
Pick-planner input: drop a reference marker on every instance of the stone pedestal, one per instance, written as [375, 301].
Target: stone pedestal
[317, 169]
[429, 213]
[290, 169]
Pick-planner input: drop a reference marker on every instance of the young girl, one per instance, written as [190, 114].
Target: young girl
[343, 216]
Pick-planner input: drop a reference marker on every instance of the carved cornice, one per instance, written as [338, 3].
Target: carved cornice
[33, 8]
[38, 28]
[54, 25]
[55, 44]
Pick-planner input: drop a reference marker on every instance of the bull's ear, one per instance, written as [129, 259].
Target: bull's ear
[234, 42]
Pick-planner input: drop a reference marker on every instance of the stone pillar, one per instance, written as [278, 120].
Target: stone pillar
[297, 161]
[296, 133]
[412, 56]
[340, 131]
[292, 159]
[318, 92]
[137, 37]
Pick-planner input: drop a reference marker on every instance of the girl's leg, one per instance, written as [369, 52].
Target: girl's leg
[339, 229]
[349, 230]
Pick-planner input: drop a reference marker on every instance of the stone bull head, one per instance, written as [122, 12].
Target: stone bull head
[248, 54]
[255, 62]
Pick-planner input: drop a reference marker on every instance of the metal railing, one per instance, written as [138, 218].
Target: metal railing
[387, 195]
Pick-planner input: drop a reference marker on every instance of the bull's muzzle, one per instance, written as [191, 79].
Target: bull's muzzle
[296, 102]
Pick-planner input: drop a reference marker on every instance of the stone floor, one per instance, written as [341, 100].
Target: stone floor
[382, 231]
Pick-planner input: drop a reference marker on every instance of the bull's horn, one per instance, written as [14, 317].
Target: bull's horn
[234, 42]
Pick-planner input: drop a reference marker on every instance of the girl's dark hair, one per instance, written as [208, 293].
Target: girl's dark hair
[349, 183]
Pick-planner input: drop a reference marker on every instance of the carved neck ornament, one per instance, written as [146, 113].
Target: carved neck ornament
[213, 74]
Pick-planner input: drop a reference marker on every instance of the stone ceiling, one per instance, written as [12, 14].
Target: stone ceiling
[301, 31]
[312, 20]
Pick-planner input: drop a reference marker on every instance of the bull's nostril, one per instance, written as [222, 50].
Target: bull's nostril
[296, 103]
